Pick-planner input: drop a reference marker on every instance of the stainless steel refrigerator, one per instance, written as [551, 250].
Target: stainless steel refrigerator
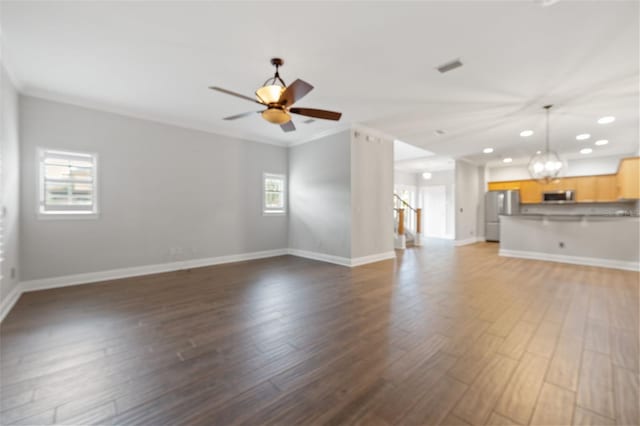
[498, 203]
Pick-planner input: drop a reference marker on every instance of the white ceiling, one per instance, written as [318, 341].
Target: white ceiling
[410, 158]
[374, 61]
[405, 151]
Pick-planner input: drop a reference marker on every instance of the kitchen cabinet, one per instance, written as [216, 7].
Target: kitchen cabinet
[606, 188]
[629, 179]
[554, 185]
[585, 187]
[530, 192]
[503, 186]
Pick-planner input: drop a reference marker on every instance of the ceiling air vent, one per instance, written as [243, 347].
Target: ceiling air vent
[449, 66]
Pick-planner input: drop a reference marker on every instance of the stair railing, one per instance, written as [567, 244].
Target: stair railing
[399, 206]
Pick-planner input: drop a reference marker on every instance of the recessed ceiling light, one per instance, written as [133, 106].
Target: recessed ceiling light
[583, 136]
[526, 133]
[507, 160]
[538, 152]
[607, 119]
[426, 175]
[487, 150]
[602, 142]
[586, 151]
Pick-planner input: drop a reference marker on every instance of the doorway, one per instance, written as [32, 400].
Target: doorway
[434, 211]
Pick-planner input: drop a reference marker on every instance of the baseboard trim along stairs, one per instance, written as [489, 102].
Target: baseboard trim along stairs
[576, 260]
[114, 274]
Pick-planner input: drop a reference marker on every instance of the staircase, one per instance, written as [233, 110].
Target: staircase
[407, 224]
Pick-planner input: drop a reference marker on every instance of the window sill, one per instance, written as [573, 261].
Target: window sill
[274, 213]
[68, 216]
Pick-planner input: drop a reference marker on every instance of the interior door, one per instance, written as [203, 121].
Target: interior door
[434, 210]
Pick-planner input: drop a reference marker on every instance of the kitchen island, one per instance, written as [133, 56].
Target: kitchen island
[597, 240]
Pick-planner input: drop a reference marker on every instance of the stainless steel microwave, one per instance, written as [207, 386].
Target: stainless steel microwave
[559, 197]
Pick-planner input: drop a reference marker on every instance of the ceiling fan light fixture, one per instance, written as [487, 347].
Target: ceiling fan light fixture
[270, 94]
[276, 115]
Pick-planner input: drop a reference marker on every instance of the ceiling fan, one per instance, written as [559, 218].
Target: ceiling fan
[279, 99]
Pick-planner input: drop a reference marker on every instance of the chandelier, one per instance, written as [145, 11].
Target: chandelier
[546, 165]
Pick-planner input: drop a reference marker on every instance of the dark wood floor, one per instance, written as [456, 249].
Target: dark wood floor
[443, 335]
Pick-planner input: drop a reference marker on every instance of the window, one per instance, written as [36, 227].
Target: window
[67, 183]
[274, 200]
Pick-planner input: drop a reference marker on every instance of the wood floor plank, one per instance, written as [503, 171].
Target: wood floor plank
[627, 397]
[433, 407]
[624, 348]
[498, 420]
[468, 366]
[584, 417]
[478, 402]
[452, 420]
[595, 392]
[597, 338]
[555, 406]
[543, 342]
[516, 342]
[520, 396]
[565, 364]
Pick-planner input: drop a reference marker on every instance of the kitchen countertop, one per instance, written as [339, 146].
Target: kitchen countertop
[569, 216]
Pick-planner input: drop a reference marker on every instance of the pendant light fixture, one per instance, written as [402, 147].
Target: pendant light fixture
[546, 165]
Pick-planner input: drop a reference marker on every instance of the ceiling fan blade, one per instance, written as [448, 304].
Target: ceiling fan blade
[317, 113]
[288, 126]
[244, 114]
[238, 95]
[294, 92]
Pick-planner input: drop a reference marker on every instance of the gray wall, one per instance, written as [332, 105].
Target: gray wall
[405, 178]
[9, 196]
[165, 193]
[371, 195]
[320, 195]
[469, 200]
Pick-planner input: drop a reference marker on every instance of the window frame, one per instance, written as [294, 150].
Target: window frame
[65, 214]
[271, 212]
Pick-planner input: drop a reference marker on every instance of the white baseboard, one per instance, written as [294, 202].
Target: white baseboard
[338, 260]
[10, 300]
[357, 261]
[468, 241]
[576, 260]
[343, 261]
[113, 274]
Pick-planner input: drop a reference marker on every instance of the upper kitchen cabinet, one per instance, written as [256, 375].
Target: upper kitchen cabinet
[606, 188]
[530, 192]
[585, 187]
[629, 179]
[506, 185]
